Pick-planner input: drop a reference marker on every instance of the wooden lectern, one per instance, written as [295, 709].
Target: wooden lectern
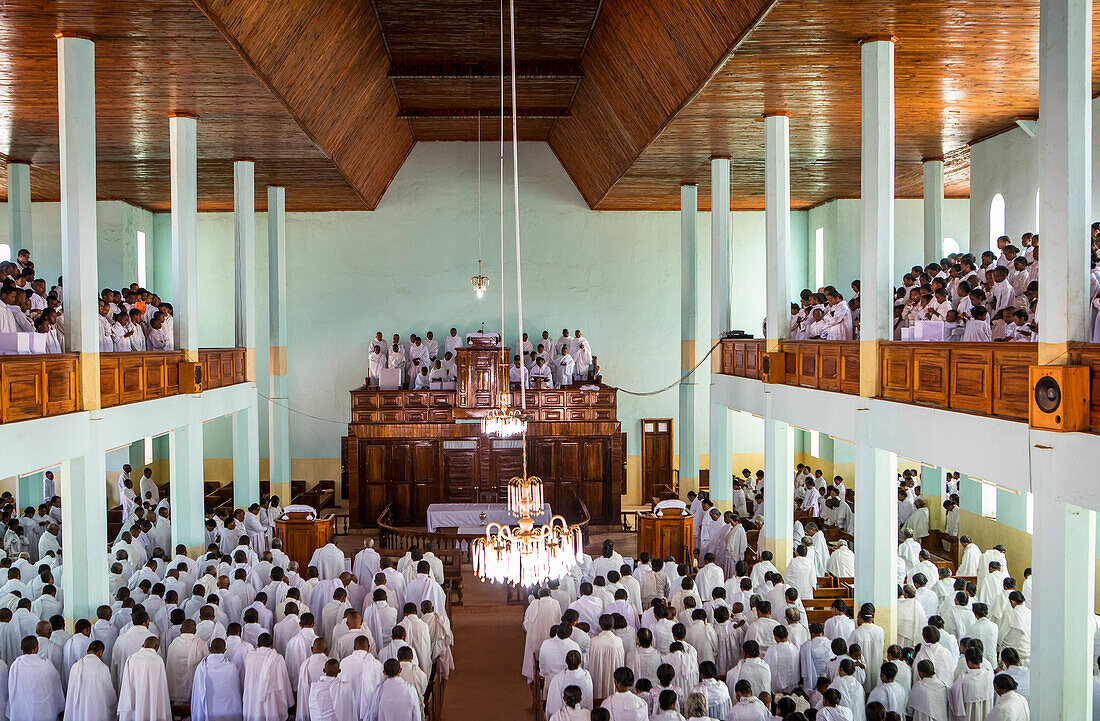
[664, 536]
[301, 534]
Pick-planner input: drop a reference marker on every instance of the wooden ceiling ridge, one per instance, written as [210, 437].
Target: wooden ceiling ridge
[524, 71]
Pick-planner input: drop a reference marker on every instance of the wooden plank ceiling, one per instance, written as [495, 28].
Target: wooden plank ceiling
[153, 58]
[633, 96]
[964, 70]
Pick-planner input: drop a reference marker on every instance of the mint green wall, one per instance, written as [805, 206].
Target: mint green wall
[118, 223]
[841, 221]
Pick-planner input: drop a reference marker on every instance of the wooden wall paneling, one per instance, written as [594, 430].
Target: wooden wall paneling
[596, 476]
[753, 359]
[427, 478]
[790, 363]
[460, 475]
[849, 368]
[110, 384]
[61, 385]
[1011, 387]
[828, 359]
[733, 358]
[131, 375]
[172, 378]
[1089, 354]
[808, 364]
[22, 390]
[897, 371]
[931, 375]
[972, 379]
[155, 372]
[400, 481]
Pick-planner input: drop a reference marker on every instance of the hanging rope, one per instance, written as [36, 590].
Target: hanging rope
[672, 385]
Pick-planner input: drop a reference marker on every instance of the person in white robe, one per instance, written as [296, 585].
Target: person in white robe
[380, 617]
[783, 660]
[268, 694]
[539, 618]
[1015, 631]
[917, 522]
[331, 697]
[851, 691]
[1010, 705]
[890, 693]
[842, 561]
[971, 696]
[801, 572]
[363, 671]
[143, 693]
[971, 557]
[571, 675]
[623, 704]
[367, 563]
[542, 372]
[911, 616]
[564, 366]
[148, 489]
[90, 695]
[184, 655]
[216, 693]
[376, 363]
[312, 670]
[837, 318]
[582, 361]
[928, 698]
[328, 560]
[605, 656]
[34, 686]
[395, 699]
[425, 588]
[717, 695]
[871, 640]
[747, 706]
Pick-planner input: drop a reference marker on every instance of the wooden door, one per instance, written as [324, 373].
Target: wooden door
[460, 471]
[656, 457]
[505, 463]
[400, 480]
[372, 458]
[425, 479]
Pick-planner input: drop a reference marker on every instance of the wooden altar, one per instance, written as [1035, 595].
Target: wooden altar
[664, 536]
[415, 448]
[302, 534]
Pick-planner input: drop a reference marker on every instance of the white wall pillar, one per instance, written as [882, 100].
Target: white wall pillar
[777, 226]
[246, 456]
[278, 405]
[721, 488]
[183, 131]
[779, 498]
[689, 339]
[1063, 556]
[877, 202]
[1065, 173]
[185, 462]
[80, 483]
[19, 208]
[933, 211]
[876, 527]
[79, 248]
[244, 214]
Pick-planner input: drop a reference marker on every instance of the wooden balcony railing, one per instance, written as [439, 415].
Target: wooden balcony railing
[46, 385]
[985, 378]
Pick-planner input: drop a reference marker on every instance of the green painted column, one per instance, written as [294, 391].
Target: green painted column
[29, 490]
[136, 457]
[246, 457]
[246, 431]
[19, 208]
[278, 403]
[1012, 509]
[84, 528]
[185, 461]
[970, 496]
[876, 527]
[689, 344]
[721, 486]
[933, 483]
[779, 496]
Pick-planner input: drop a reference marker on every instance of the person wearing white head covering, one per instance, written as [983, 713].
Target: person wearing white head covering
[564, 365]
[582, 360]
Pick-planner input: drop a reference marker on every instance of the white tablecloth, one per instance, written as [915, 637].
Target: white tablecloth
[469, 514]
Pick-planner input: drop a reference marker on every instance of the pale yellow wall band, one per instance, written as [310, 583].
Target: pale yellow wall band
[278, 360]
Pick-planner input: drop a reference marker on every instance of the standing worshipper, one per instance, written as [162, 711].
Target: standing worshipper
[143, 695]
[216, 692]
[34, 686]
[184, 655]
[624, 705]
[267, 690]
[395, 698]
[330, 697]
[1010, 706]
[328, 560]
[91, 695]
[871, 639]
[605, 656]
[582, 361]
[971, 696]
[928, 699]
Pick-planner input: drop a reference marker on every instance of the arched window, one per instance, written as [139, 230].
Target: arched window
[996, 220]
[950, 245]
[5, 252]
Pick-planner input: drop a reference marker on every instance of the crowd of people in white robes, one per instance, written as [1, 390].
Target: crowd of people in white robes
[991, 297]
[239, 634]
[544, 362]
[651, 639]
[131, 319]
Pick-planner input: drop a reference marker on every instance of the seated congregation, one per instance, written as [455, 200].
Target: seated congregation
[993, 297]
[241, 633]
[731, 637]
[131, 319]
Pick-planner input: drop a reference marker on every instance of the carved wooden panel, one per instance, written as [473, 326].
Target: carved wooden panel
[22, 391]
[155, 377]
[61, 384]
[896, 372]
[807, 365]
[110, 384]
[131, 379]
[930, 376]
[828, 367]
[1089, 354]
[849, 368]
[972, 380]
[1011, 387]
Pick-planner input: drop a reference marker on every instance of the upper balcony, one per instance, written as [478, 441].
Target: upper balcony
[37, 386]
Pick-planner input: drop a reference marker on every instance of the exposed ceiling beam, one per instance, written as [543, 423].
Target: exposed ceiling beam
[526, 71]
[444, 113]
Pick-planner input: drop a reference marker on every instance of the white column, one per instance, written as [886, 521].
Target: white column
[877, 201]
[244, 214]
[721, 488]
[933, 211]
[79, 248]
[779, 499]
[876, 527]
[278, 414]
[1063, 556]
[689, 338]
[777, 226]
[81, 485]
[183, 131]
[1065, 173]
[185, 463]
[19, 207]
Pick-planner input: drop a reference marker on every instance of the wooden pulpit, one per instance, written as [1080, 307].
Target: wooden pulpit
[482, 375]
[664, 536]
[301, 534]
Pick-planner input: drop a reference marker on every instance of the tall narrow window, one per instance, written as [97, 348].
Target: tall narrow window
[141, 258]
[1029, 521]
[950, 245]
[149, 439]
[815, 444]
[5, 252]
[996, 220]
[989, 500]
[1037, 207]
[819, 258]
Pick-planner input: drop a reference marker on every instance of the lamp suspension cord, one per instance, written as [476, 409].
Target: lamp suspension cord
[479, 192]
[515, 194]
[503, 355]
